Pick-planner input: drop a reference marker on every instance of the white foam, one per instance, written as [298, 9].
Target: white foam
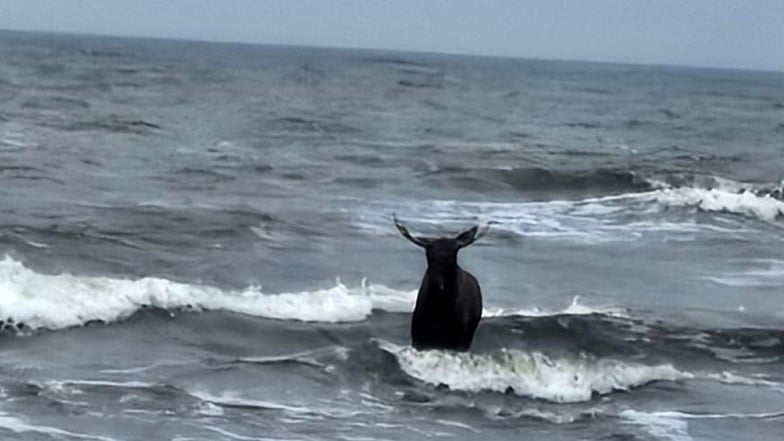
[622, 217]
[576, 307]
[595, 220]
[309, 357]
[43, 301]
[662, 425]
[17, 425]
[457, 424]
[770, 273]
[590, 220]
[718, 416]
[13, 143]
[531, 374]
[64, 384]
[732, 378]
[232, 399]
[235, 399]
[65, 300]
[500, 413]
[210, 409]
[729, 200]
[673, 425]
[134, 370]
[15, 139]
[226, 434]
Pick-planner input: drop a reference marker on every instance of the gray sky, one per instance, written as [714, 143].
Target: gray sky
[719, 33]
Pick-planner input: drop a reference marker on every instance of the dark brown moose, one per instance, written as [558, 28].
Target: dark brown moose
[449, 302]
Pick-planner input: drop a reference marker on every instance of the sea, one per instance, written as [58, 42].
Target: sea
[196, 243]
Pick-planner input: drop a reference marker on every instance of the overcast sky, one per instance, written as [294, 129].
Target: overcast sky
[718, 33]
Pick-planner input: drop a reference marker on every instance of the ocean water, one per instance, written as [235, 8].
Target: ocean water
[196, 244]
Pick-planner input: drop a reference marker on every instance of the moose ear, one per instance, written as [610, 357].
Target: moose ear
[419, 241]
[467, 237]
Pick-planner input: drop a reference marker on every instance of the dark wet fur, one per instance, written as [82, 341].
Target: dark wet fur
[449, 302]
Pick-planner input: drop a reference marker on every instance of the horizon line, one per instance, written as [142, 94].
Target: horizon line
[401, 51]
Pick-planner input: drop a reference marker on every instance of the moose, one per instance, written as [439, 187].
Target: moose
[449, 303]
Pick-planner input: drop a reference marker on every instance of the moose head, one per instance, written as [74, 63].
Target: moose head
[441, 252]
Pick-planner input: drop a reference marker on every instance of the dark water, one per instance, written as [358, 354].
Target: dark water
[198, 244]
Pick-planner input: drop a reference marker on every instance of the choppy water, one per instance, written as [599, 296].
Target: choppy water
[198, 244]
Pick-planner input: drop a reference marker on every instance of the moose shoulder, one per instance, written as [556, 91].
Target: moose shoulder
[449, 302]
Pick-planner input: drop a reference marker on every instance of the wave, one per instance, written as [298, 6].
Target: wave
[576, 307]
[232, 400]
[300, 124]
[768, 273]
[18, 426]
[673, 425]
[530, 374]
[604, 179]
[707, 416]
[744, 202]
[235, 399]
[732, 378]
[31, 300]
[662, 425]
[112, 124]
[620, 217]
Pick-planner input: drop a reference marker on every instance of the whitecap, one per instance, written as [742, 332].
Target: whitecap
[46, 301]
[613, 218]
[744, 202]
[531, 374]
[617, 218]
[64, 300]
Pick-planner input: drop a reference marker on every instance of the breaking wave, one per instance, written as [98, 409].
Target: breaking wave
[39, 301]
[31, 300]
[530, 374]
[744, 202]
[664, 209]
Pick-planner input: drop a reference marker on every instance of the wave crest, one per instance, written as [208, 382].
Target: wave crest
[664, 209]
[30, 300]
[743, 202]
[530, 374]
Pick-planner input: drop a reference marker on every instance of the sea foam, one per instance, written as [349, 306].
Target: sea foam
[65, 300]
[19, 426]
[742, 202]
[662, 425]
[44, 301]
[764, 273]
[530, 374]
[619, 217]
